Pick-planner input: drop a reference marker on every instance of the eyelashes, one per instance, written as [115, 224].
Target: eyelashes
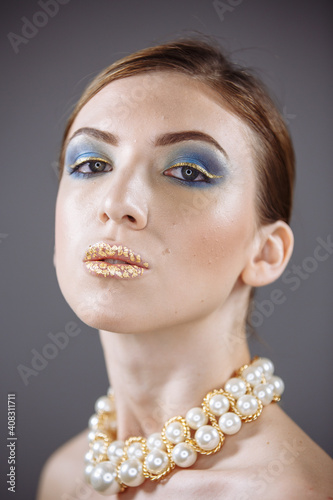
[90, 166]
[186, 172]
[190, 172]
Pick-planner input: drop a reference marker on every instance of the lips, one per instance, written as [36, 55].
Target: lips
[102, 259]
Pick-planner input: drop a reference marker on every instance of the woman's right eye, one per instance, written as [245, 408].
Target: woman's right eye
[90, 166]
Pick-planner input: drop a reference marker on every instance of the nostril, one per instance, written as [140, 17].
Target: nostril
[103, 218]
[132, 219]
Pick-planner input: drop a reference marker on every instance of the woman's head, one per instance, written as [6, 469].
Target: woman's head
[240, 91]
[157, 160]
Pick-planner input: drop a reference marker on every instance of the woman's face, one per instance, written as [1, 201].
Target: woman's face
[155, 164]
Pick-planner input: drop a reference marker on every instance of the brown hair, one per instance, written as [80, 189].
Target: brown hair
[243, 93]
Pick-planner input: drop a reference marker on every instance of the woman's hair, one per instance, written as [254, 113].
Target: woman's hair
[241, 92]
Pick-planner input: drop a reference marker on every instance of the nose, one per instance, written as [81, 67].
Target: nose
[123, 200]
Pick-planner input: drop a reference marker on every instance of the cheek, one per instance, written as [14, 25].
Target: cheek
[68, 226]
[60, 230]
[72, 215]
[206, 255]
[62, 224]
[215, 232]
[72, 230]
[215, 250]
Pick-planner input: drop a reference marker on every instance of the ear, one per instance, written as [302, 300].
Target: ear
[270, 256]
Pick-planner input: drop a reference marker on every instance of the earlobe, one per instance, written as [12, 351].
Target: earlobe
[270, 255]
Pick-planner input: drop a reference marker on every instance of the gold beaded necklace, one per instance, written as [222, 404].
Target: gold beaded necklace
[113, 465]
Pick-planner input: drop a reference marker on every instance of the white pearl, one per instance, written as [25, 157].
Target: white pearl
[207, 437]
[196, 418]
[219, 404]
[174, 432]
[253, 375]
[103, 478]
[266, 365]
[87, 471]
[264, 392]
[98, 448]
[89, 457]
[277, 385]
[115, 451]
[230, 423]
[157, 461]
[184, 455]
[130, 472]
[104, 404]
[236, 387]
[155, 441]
[91, 436]
[135, 451]
[93, 422]
[247, 405]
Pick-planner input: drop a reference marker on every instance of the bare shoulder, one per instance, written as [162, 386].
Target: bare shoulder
[299, 464]
[62, 475]
[275, 459]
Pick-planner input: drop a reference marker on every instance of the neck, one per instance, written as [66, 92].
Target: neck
[158, 375]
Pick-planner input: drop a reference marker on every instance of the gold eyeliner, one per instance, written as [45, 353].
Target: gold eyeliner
[196, 167]
[82, 161]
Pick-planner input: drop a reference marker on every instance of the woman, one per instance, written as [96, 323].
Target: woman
[174, 201]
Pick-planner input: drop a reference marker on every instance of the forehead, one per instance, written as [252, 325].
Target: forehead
[166, 98]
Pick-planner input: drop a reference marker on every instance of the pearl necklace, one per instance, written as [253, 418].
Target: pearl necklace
[113, 465]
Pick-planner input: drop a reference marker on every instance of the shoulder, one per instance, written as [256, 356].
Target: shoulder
[62, 474]
[276, 459]
[298, 465]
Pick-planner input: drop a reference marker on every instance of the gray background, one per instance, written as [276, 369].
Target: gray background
[289, 43]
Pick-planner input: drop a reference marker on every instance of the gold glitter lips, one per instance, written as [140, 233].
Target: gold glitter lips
[115, 261]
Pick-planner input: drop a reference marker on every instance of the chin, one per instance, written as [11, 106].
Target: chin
[118, 322]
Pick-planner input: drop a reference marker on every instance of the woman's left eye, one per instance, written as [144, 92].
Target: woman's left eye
[188, 172]
[91, 166]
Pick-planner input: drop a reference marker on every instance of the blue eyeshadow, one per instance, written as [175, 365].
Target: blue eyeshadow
[84, 147]
[214, 163]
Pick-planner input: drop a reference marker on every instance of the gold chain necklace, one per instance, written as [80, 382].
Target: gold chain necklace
[113, 465]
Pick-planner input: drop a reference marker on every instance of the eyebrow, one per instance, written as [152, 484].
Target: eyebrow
[96, 134]
[190, 135]
[162, 140]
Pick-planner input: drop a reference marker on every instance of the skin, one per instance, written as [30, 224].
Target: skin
[205, 251]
